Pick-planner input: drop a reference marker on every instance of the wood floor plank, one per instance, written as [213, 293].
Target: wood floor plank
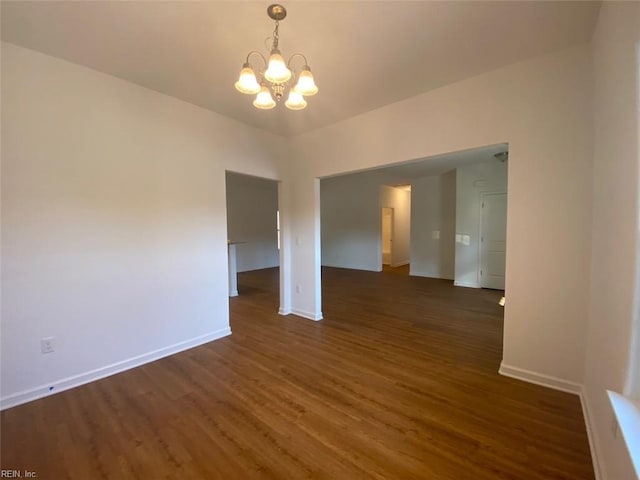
[399, 381]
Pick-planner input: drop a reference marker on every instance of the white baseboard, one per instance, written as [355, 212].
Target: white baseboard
[540, 379]
[564, 386]
[285, 311]
[309, 315]
[466, 284]
[400, 264]
[108, 370]
[430, 275]
[352, 267]
[594, 442]
[233, 293]
[255, 268]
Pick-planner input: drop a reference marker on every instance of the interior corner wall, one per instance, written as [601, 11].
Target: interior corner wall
[471, 182]
[252, 206]
[614, 259]
[400, 201]
[351, 222]
[350, 219]
[433, 222]
[113, 222]
[540, 107]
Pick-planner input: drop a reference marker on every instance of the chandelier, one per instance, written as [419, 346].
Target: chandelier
[276, 74]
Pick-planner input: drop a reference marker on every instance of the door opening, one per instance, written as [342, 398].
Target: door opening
[387, 236]
[253, 235]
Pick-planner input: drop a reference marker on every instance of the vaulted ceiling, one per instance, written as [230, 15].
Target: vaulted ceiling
[363, 54]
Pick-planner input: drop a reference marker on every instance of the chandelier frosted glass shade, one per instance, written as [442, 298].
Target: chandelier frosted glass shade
[276, 75]
[295, 101]
[306, 85]
[277, 71]
[247, 82]
[264, 100]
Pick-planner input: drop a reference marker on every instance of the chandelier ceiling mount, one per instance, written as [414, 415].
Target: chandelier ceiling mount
[277, 12]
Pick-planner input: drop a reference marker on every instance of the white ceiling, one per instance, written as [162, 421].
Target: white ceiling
[363, 54]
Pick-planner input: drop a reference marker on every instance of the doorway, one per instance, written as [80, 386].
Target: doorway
[253, 235]
[493, 240]
[387, 236]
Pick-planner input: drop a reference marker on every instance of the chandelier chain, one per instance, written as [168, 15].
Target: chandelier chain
[276, 37]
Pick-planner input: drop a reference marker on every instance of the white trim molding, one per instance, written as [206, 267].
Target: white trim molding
[466, 284]
[332, 265]
[308, 315]
[285, 311]
[63, 384]
[414, 273]
[594, 442]
[540, 379]
[400, 264]
[563, 386]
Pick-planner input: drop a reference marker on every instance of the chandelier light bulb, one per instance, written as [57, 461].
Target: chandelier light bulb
[306, 86]
[277, 71]
[295, 101]
[264, 100]
[247, 82]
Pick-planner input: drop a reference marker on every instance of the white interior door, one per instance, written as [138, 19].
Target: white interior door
[387, 235]
[493, 240]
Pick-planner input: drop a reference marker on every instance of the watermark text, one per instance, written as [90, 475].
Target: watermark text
[8, 473]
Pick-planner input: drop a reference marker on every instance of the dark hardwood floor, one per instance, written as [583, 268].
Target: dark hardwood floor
[399, 381]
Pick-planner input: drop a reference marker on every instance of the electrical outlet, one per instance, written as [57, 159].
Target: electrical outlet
[48, 345]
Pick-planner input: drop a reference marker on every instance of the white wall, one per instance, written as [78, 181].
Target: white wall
[113, 221]
[614, 256]
[542, 109]
[350, 215]
[471, 181]
[433, 209]
[304, 243]
[400, 201]
[351, 221]
[252, 206]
